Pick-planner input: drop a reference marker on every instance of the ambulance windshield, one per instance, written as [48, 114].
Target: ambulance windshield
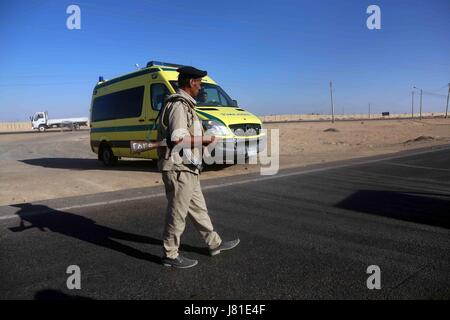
[211, 95]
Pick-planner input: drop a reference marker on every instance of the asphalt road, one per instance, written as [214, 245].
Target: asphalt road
[306, 233]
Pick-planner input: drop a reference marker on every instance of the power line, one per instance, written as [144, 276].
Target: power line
[434, 94]
[439, 89]
[42, 84]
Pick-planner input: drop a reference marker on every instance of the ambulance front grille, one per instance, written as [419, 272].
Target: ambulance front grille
[246, 129]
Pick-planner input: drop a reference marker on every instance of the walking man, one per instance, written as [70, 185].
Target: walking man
[179, 124]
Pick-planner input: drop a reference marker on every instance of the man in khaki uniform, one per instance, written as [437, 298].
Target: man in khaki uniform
[179, 124]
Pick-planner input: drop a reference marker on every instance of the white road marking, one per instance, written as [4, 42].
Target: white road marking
[217, 186]
[414, 166]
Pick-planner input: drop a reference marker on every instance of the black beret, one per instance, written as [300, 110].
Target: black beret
[192, 72]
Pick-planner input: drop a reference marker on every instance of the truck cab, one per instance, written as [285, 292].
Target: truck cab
[39, 121]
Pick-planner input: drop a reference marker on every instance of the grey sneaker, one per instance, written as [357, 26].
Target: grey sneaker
[224, 246]
[179, 262]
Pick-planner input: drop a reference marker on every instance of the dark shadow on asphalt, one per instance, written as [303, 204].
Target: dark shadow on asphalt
[85, 229]
[425, 208]
[51, 294]
[91, 164]
[94, 164]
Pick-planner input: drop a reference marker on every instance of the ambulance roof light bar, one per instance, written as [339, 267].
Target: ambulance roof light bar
[163, 64]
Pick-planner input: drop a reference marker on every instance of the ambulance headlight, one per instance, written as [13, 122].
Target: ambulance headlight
[215, 128]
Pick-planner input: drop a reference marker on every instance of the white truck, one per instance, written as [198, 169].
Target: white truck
[41, 122]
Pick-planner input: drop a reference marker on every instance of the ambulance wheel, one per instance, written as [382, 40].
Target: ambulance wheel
[107, 156]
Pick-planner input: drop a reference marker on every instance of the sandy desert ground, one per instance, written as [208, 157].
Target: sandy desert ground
[39, 166]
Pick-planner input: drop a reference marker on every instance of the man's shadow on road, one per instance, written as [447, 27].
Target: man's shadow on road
[85, 229]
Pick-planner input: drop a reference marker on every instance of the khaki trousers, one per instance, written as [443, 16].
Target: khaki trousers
[184, 196]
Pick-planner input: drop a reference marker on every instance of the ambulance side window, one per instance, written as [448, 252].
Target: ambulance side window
[223, 100]
[118, 105]
[158, 93]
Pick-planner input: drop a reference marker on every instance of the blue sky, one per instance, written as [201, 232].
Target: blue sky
[274, 57]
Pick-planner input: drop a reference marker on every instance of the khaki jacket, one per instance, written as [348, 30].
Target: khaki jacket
[177, 119]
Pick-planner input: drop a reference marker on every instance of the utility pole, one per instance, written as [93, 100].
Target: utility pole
[412, 105]
[369, 110]
[332, 105]
[421, 104]
[448, 94]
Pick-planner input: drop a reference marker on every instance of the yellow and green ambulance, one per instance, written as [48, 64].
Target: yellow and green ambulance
[126, 108]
